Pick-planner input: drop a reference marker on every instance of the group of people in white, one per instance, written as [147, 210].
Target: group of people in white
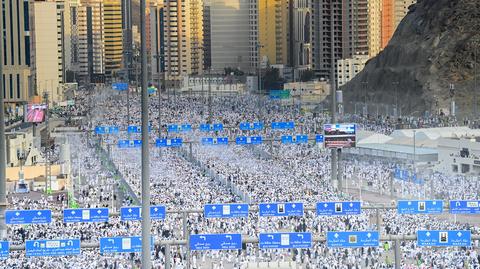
[271, 172]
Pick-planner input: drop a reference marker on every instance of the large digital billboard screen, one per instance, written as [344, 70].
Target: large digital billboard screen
[339, 135]
[35, 113]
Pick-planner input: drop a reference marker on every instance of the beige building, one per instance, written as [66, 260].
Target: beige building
[16, 52]
[177, 42]
[349, 68]
[374, 27]
[273, 30]
[49, 37]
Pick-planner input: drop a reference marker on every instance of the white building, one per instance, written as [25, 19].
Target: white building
[349, 68]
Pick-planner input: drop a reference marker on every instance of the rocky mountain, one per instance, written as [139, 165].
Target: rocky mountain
[436, 44]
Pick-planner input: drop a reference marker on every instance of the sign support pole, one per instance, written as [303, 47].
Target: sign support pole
[397, 254]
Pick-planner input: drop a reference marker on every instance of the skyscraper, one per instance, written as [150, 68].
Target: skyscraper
[300, 34]
[393, 12]
[181, 34]
[16, 51]
[112, 16]
[127, 37]
[234, 37]
[91, 48]
[273, 30]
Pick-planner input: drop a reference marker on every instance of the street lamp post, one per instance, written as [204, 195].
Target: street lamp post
[395, 111]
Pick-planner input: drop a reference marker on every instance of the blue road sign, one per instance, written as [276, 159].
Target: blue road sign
[85, 215]
[297, 139]
[283, 125]
[128, 144]
[214, 141]
[168, 142]
[226, 211]
[177, 128]
[133, 129]
[122, 244]
[338, 208]
[215, 241]
[319, 138]
[4, 249]
[420, 207]
[134, 212]
[248, 140]
[59, 247]
[352, 239]
[205, 127]
[106, 130]
[285, 240]
[465, 207]
[280, 209]
[28, 216]
[251, 126]
[120, 86]
[444, 238]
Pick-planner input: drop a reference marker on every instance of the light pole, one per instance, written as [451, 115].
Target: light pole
[259, 72]
[396, 112]
[146, 230]
[3, 182]
[365, 108]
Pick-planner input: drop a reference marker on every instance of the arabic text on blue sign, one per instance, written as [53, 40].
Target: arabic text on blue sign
[283, 125]
[213, 141]
[338, 208]
[168, 142]
[4, 249]
[85, 215]
[106, 130]
[120, 86]
[122, 244]
[465, 207]
[285, 240]
[251, 126]
[280, 209]
[352, 239]
[134, 212]
[248, 140]
[319, 138]
[133, 129]
[60, 247]
[205, 127]
[420, 207]
[444, 238]
[298, 139]
[226, 211]
[215, 241]
[174, 128]
[28, 216]
[124, 144]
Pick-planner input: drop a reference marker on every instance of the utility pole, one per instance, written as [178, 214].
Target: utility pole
[334, 163]
[48, 171]
[209, 97]
[146, 232]
[396, 111]
[3, 158]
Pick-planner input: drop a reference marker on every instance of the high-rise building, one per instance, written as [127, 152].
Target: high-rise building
[47, 47]
[374, 27]
[300, 34]
[91, 48]
[234, 34]
[112, 16]
[157, 39]
[127, 37]
[350, 30]
[273, 30]
[16, 51]
[182, 38]
[393, 12]
[207, 36]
